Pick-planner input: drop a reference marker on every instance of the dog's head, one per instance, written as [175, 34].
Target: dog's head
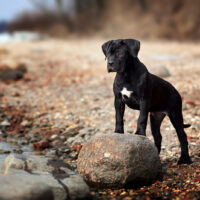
[118, 53]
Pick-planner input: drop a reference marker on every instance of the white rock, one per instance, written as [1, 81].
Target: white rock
[5, 123]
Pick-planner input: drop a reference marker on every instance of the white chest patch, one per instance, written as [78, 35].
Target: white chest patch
[126, 92]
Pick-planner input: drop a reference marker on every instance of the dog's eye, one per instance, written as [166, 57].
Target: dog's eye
[119, 54]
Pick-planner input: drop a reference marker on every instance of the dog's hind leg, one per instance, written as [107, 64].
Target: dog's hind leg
[176, 119]
[156, 120]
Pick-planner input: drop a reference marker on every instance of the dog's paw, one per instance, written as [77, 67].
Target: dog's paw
[184, 161]
[119, 131]
[140, 133]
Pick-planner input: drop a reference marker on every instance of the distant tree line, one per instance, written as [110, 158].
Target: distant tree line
[173, 18]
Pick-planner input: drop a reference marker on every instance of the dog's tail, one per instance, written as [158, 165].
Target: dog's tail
[186, 125]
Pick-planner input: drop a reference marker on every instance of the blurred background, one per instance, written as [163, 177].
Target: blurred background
[171, 19]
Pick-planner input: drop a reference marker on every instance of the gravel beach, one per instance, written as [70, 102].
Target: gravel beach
[66, 96]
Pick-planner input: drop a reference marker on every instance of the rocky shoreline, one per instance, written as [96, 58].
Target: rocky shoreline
[65, 98]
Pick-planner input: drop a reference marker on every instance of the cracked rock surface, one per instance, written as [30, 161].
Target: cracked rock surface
[50, 178]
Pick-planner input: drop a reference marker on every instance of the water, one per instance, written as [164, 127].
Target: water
[18, 36]
[5, 147]
[165, 57]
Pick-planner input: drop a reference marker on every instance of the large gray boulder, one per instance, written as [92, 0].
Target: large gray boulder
[117, 160]
[24, 187]
[33, 164]
[62, 182]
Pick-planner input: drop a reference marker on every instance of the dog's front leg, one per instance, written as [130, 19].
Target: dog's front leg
[119, 114]
[142, 120]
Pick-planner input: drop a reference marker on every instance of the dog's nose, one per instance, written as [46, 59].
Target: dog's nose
[110, 62]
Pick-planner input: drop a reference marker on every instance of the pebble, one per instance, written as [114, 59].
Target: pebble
[3, 134]
[25, 123]
[70, 139]
[87, 137]
[11, 140]
[51, 152]
[18, 151]
[63, 138]
[53, 137]
[22, 141]
[5, 123]
[4, 151]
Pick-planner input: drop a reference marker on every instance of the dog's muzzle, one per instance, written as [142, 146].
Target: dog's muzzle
[110, 69]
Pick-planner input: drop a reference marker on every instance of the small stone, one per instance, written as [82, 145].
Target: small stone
[1, 133]
[18, 151]
[67, 151]
[70, 139]
[73, 155]
[11, 140]
[51, 152]
[87, 137]
[42, 144]
[4, 151]
[22, 141]
[63, 138]
[53, 137]
[26, 123]
[5, 123]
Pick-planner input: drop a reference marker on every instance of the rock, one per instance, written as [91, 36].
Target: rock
[13, 171]
[8, 74]
[51, 152]
[40, 163]
[11, 140]
[5, 123]
[57, 187]
[2, 151]
[53, 137]
[22, 141]
[20, 187]
[70, 139]
[3, 134]
[159, 70]
[32, 163]
[62, 138]
[25, 123]
[42, 144]
[64, 183]
[72, 187]
[116, 160]
[77, 187]
[12, 161]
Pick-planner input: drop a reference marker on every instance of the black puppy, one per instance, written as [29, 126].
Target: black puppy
[141, 90]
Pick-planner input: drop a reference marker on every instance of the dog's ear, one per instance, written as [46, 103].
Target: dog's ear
[133, 45]
[105, 47]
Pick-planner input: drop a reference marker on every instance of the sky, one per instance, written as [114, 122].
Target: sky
[10, 8]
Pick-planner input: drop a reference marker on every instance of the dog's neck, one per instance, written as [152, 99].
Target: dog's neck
[132, 68]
